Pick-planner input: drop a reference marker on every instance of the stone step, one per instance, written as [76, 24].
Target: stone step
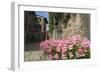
[34, 56]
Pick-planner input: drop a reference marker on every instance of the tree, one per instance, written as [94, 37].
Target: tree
[57, 21]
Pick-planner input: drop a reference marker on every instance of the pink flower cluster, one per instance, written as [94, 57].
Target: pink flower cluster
[73, 47]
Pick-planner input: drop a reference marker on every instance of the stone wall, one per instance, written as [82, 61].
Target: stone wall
[75, 24]
[78, 24]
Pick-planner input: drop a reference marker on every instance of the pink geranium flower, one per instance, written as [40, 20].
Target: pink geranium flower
[50, 57]
[63, 49]
[56, 56]
[85, 43]
[63, 56]
[80, 51]
[58, 49]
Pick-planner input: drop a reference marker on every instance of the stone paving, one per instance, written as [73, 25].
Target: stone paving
[33, 53]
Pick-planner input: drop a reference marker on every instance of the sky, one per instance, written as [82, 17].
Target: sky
[42, 13]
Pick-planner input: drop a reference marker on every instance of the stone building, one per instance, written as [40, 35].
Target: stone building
[35, 27]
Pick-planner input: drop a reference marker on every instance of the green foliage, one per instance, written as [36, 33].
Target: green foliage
[61, 18]
[51, 22]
